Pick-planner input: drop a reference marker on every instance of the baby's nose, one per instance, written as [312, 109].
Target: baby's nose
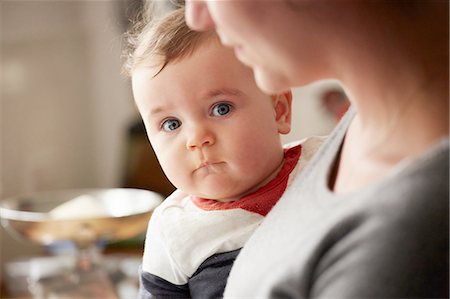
[199, 137]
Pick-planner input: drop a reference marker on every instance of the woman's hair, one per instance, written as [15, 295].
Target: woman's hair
[163, 40]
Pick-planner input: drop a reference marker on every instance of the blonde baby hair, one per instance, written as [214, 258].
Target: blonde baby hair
[161, 40]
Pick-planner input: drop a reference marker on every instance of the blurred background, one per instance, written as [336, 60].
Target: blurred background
[67, 116]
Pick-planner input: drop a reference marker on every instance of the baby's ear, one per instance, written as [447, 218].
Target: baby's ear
[282, 104]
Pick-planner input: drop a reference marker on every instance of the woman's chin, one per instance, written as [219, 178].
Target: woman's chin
[269, 82]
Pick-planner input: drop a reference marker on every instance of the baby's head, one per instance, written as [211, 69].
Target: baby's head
[216, 135]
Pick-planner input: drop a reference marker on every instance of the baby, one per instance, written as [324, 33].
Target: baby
[217, 138]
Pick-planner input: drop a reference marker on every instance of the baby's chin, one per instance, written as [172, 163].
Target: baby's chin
[218, 187]
[211, 187]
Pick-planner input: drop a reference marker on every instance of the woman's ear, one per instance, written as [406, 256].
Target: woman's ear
[282, 104]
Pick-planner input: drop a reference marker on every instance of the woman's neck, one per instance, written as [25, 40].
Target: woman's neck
[395, 73]
[399, 121]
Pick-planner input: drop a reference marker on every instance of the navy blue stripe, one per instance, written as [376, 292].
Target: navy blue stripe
[152, 286]
[208, 281]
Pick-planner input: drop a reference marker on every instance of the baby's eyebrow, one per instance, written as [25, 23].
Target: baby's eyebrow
[223, 92]
[157, 110]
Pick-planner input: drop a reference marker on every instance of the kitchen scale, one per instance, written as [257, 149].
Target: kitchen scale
[82, 218]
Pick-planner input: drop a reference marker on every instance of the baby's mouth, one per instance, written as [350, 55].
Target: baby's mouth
[208, 165]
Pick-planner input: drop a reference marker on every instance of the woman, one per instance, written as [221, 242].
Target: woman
[369, 217]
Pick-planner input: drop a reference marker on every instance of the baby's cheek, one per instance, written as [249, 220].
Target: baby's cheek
[169, 167]
[176, 172]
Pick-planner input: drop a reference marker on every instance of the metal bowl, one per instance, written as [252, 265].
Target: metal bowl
[83, 216]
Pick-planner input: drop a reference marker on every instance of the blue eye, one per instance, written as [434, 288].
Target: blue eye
[171, 125]
[221, 109]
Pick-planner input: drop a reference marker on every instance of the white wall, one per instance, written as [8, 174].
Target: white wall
[65, 104]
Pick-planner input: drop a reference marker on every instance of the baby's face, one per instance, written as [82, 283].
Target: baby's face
[216, 135]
